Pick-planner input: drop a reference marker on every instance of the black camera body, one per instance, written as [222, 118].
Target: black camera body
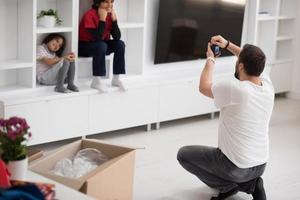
[216, 49]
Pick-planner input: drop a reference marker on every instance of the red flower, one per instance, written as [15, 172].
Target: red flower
[14, 133]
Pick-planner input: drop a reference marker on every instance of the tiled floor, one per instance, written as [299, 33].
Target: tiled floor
[158, 175]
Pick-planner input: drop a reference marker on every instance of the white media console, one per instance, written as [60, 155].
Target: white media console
[156, 93]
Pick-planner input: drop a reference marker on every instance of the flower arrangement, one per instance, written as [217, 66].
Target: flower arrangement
[50, 12]
[14, 135]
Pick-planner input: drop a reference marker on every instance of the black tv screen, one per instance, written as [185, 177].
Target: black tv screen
[186, 26]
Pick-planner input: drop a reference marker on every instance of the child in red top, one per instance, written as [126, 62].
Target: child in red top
[95, 30]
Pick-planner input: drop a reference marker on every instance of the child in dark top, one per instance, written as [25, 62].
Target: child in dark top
[95, 30]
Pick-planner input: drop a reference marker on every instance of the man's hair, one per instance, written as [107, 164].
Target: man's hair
[253, 58]
[55, 36]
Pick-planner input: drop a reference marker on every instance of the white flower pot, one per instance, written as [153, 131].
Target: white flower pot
[18, 169]
[47, 21]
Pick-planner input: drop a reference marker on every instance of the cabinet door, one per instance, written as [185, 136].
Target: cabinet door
[183, 99]
[281, 77]
[68, 117]
[119, 110]
[36, 116]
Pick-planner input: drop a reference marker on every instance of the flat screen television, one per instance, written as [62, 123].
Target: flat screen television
[186, 26]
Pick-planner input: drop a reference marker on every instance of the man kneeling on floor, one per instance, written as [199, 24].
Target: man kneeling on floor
[245, 104]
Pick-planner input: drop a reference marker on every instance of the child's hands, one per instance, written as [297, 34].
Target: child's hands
[70, 57]
[110, 8]
[113, 15]
[102, 14]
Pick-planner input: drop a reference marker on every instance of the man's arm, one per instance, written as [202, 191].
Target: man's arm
[207, 74]
[223, 43]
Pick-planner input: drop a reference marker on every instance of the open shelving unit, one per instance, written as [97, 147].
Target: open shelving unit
[275, 34]
[16, 49]
[67, 28]
[131, 16]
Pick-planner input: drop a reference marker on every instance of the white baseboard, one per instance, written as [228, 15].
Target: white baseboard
[294, 95]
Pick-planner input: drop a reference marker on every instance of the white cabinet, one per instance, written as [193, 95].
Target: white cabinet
[131, 16]
[53, 120]
[282, 73]
[68, 27]
[16, 49]
[136, 107]
[68, 118]
[274, 31]
[182, 99]
[36, 116]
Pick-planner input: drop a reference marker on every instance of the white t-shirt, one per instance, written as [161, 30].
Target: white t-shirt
[245, 112]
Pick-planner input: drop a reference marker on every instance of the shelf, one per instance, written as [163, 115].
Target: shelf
[90, 59]
[14, 64]
[286, 17]
[266, 18]
[128, 25]
[13, 89]
[54, 29]
[282, 61]
[282, 38]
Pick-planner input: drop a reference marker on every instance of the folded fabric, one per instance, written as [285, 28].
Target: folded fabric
[4, 175]
[26, 192]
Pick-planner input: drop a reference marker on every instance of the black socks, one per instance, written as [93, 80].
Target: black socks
[259, 192]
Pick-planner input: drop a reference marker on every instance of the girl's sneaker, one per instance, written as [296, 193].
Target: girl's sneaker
[73, 88]
[61, 90]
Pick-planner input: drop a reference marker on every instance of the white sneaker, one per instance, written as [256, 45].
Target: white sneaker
[99, 85]
[119, 83]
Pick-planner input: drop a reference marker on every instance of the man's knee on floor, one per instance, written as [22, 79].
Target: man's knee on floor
[182, 154]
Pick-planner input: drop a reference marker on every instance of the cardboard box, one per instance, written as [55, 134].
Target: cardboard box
[34, 154]
[113, 180]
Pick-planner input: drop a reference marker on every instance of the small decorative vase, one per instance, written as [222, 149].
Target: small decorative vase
[47, 21]
[18, 169]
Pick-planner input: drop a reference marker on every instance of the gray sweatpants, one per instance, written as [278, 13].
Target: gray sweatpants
[213, 168]
[50, 77]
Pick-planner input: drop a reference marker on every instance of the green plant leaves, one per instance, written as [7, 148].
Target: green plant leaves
[50, 12]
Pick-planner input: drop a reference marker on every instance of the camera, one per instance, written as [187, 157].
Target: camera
[216, 49]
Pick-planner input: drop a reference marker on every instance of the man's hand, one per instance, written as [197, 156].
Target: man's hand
[102, 14]
[219, 40]
[113, 15]
[209, 52]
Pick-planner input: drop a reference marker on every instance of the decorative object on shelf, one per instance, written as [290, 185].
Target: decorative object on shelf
[48, 18]
[14, 134]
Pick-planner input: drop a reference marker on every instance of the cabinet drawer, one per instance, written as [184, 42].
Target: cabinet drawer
[68, 118]
[281, 76]
[36, 116]
[123, 109]
[54, 119]
[183, 99]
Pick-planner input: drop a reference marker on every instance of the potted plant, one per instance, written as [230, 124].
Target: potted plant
[48, 18]
[14, 135]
